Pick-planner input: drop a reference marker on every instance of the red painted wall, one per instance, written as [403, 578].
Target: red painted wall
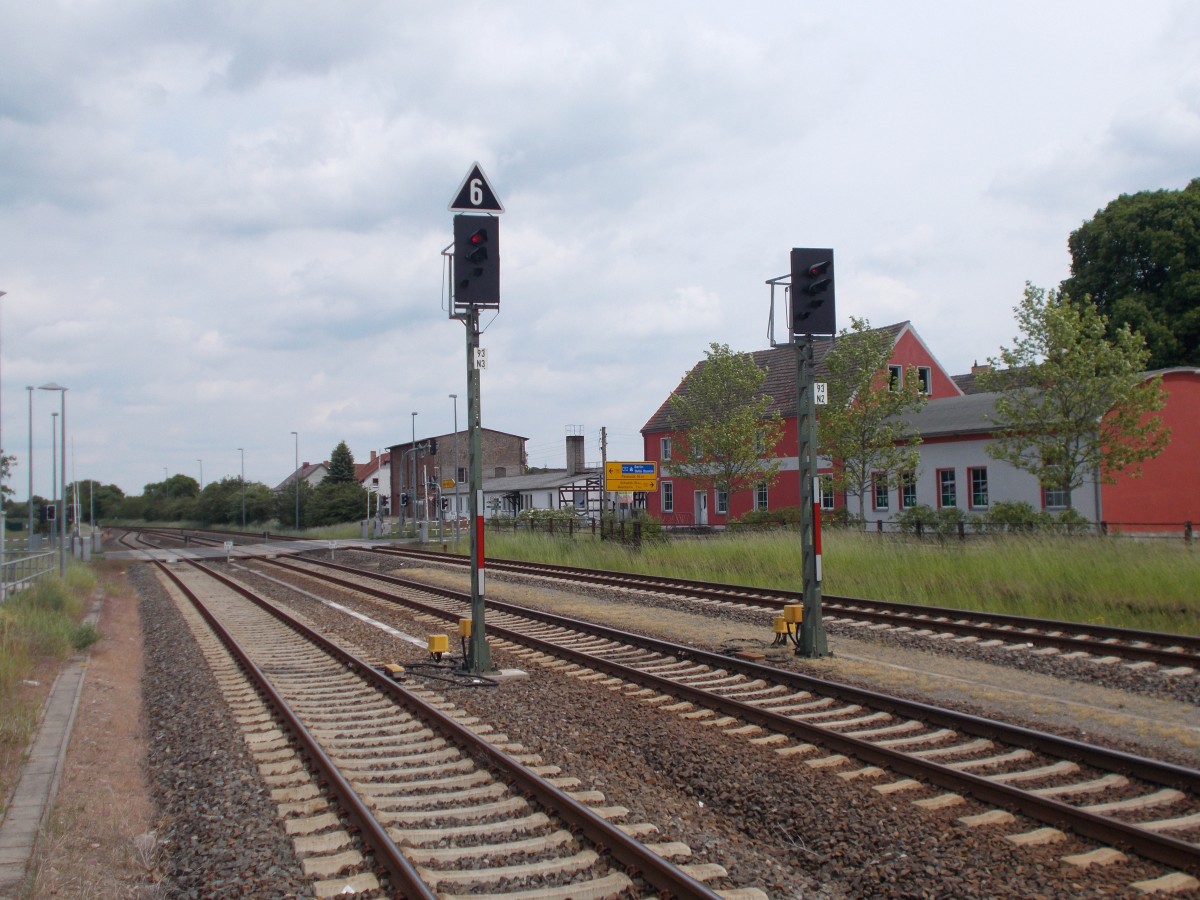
[1168, 493]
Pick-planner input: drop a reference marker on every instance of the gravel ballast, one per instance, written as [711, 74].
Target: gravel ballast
[771, 821]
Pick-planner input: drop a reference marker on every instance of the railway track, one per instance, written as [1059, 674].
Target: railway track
[472, 811]
[1173, 654]
[1178, 653]
[937, 757]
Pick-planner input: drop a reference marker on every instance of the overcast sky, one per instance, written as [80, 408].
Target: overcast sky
[222, 223]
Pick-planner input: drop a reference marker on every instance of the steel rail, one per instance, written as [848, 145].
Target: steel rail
[1014, 629]
[1158, 847]
[403, 874]
[656, 870]
[1072, 636]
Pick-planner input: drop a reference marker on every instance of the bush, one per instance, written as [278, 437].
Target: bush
[1014, 516]
[842, 518]
[1022, 517]
[784, 517]
[943, 522]
[1071, 521]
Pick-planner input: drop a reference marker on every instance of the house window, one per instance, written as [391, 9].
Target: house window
[979, 487]
[760, 496]
[908, 490]
[925, 378]
[723, 502]
[668, 496]
[1055, 498]
[462, 475]
[947, 488]
[879, 485]
[895, 378]
[826, 482]
[664, 448]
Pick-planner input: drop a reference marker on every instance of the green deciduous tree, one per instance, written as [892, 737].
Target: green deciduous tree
[861, 429]
[333, 503]
[1138, 262]
[6, 464]
[1074, 402]
[104, 499]
[341, 466]
[722, 425]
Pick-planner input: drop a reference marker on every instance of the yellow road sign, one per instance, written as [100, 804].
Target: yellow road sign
[631, 476]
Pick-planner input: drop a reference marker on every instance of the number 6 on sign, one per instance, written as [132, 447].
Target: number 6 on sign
[480, 358]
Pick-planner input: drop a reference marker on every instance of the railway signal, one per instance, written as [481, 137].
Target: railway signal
[811, 312]
[475, 283]
[812, 291]
[476, 262]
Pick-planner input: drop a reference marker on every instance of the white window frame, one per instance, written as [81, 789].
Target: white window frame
[664, 448]
[826, 482]
[668, 496]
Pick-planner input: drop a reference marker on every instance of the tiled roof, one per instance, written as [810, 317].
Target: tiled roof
[780, 386]
[555, 478]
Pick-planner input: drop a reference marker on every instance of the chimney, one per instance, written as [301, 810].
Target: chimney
[373, 455]
[976, 368]
[575, 461]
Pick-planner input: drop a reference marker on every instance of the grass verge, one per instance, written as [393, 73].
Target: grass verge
[39, 628]
[1134, 584]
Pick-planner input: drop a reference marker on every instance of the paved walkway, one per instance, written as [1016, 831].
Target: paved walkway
[33, 797]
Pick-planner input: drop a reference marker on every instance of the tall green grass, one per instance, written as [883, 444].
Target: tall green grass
[1125, 582]
[38, 625]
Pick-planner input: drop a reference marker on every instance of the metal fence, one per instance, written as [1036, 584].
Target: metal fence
[964, 530]
[22, 568]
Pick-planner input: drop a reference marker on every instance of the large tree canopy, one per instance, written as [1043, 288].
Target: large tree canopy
[1138, 260]
[723, 425]
[1074, 404]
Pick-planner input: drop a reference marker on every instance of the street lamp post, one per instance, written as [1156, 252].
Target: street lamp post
[53, 477]
[201, 473]
[29, 463]
[296, 435]
[62, 518]
[242, 450]
[454, 397]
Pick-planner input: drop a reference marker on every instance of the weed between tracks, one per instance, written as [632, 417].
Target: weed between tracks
[1133, 584]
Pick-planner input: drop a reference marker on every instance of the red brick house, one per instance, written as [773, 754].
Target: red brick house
[956, 426]
[679, 502]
